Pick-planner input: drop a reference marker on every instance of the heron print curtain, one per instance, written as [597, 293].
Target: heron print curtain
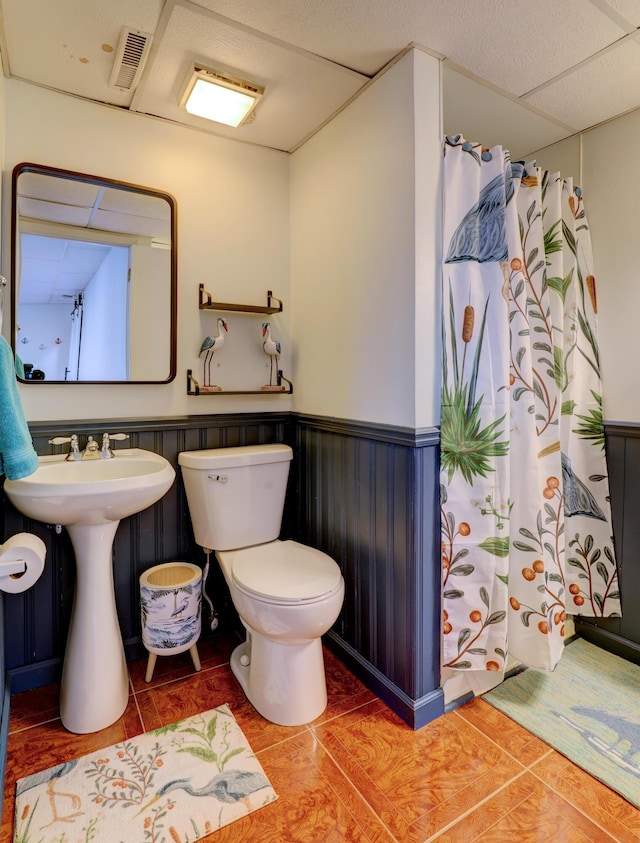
[526, 522]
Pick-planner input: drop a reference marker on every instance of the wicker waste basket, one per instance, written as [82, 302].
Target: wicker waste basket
[170, 608]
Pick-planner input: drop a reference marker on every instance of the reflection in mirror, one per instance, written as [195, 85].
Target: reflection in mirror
[93, 269]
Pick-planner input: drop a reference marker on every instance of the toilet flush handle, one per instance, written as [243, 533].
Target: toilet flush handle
[220, 478]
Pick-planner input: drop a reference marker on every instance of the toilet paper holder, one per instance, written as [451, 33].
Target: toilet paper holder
[22, 560]
[12, 567]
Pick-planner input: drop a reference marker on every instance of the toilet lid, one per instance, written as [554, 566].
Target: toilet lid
[286, 572]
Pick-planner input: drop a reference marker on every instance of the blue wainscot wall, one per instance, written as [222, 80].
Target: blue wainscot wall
[365, 494]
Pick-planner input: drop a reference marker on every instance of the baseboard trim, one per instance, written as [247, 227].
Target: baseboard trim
[134, 649]
[416, 713]
[393, 434]
[622, 428]
[154, 423]
[609, 641]
[4, 738]
[34, 675]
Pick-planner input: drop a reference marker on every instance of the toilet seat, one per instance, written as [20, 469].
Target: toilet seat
[284, 572]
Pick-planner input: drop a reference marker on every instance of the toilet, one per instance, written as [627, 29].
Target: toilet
[286, 593]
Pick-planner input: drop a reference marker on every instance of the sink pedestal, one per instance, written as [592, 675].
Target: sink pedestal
[89, 498]
[95, 683]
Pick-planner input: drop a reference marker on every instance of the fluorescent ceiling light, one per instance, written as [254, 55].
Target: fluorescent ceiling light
[216, 95]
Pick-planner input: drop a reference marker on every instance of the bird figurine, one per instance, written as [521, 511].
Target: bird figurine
[272, 348]
[208, 347]
[234, 786]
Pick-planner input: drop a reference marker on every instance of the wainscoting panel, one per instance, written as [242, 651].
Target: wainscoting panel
[365, 494]
[5, 697]
[622, 635]
[36, 622]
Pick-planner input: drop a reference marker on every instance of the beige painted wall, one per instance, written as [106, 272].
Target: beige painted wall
[611, 182]
[563, 157]
[603, 162]
[233, 236]
[364, 254]
[6, 320]
[352, 248]
[350, 245]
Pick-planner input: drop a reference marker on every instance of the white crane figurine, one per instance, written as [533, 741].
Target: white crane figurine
[272, 348]
[208, 347]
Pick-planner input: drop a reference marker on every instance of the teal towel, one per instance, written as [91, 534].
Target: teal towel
[19, 367]
[17, 454]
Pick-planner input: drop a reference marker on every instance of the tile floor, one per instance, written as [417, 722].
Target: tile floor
[357, 773]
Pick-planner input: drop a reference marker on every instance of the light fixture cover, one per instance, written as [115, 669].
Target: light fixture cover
[219, 96]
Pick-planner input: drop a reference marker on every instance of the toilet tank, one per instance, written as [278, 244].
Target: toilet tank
[236, 495]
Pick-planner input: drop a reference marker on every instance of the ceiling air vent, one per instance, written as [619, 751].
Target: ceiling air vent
[131, 55]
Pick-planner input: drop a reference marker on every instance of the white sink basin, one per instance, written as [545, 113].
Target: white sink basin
[91, 491]
[89, 498]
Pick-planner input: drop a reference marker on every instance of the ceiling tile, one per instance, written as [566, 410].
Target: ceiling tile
[301, 91]
[314, 56]
[605, 87]
[135, 203]
[54, 189]
[629, 9]
[67, 214]
[515, 45]
[125, 223]
[42, 248]
[73, 46]
[487, 117]
[73, 280]
[34, 292]
[36, 271]
[85, 258]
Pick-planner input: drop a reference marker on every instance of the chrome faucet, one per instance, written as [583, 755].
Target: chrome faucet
[105, 452]
[74, 450]
[91, 450]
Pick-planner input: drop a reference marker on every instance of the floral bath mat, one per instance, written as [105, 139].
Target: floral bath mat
[173, 785]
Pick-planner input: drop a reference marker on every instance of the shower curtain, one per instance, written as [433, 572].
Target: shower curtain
[526, 522]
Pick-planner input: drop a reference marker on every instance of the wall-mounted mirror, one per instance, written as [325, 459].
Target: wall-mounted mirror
[94, 282]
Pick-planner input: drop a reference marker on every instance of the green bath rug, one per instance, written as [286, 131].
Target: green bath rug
[588, 709]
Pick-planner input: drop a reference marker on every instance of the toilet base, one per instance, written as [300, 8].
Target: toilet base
[285, 683]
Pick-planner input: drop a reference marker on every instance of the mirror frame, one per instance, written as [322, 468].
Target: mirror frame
[121, 185]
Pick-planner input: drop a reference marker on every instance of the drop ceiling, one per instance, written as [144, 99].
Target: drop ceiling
[520, 73]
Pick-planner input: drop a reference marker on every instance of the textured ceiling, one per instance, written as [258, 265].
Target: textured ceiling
[527, 73]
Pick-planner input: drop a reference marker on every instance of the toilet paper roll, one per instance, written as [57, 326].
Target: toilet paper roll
[32, 551]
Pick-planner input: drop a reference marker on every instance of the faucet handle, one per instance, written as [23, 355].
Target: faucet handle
[74, 450]
[105, 452]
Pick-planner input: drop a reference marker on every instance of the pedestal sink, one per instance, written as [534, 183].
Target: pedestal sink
[89, 498]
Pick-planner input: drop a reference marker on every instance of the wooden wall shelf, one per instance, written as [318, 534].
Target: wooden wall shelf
[206, 303]
[194, 388]
[273, 305]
